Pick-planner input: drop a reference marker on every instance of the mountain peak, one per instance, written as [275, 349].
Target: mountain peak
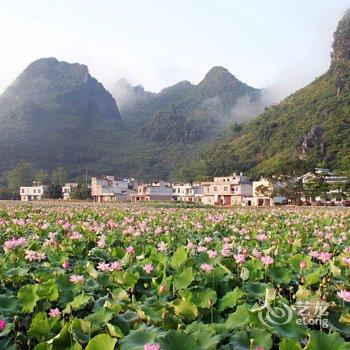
[218, 73]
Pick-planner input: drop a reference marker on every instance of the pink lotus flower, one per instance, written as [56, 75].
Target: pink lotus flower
[76, 279]
[148, 268]
[212, 253]
[207, 267]
[207, 239]
[55, 312]
[130, 249]
[259, 348]
[2, 325]
[261, 237]
[346, 260]
[201, 249]
[75, 235]
[149, 346]
[266, 260]
[103, 266]
[158, 231]
[345, 295]
[66, 265]
[256, 253]
[101, 243]
[116, 266]
[162, 247]
[240, 258]
[324, 256]
[32, 255]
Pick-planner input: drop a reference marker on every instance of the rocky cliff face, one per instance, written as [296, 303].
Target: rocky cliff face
[313, 140]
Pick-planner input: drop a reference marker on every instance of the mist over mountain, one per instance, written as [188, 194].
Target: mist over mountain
[220, 97]
[56, 114]
[309, 128]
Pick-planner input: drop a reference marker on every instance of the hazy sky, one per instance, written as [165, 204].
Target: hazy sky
[160, 42]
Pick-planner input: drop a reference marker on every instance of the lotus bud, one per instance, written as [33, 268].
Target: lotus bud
[2, 325]
[303, 265]
[163, 289]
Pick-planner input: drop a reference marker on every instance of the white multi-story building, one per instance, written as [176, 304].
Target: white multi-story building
[107, 189]
[67, 189]
[188, 192]
[227, 190]
[154, 191]
[32, 193]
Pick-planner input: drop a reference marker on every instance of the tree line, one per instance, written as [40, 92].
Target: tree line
[25, 174]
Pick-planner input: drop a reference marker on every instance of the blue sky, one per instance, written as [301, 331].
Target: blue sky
[283, 43]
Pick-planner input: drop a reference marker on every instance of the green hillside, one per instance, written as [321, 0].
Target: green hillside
[309, 128]
[56, 114]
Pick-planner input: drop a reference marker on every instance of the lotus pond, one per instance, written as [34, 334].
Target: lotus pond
[102, 277]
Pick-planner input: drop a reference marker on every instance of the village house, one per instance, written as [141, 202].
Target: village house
[330, 178]
[227, 190]
[154, 191]
[67, 189]
[263, 195]
[32, 193]
[108, 189]
[191, 193]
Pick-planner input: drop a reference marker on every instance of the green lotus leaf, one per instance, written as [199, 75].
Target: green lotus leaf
[204, 298]
[48, 290]
[40, 328]
[64, 341]
[185, 308]
[280, 274]
[231, 299]
[290, 344]
[79, 302]
[179, 257]
[101, 341]
[319, 340]
[28, 297]
[100, 316]
[239, 318]
[136, 339]
[173, 340]
[247, 340]
[184, 279]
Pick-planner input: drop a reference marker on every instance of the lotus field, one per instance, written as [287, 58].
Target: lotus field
[103, 277]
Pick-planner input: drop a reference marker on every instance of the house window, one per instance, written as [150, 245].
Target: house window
[225, 188]
[34, 191]
[39, 191]
[23, 190]
[215, 188]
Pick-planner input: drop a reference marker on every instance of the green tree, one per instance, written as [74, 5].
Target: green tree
[317, 187]
[81, 191]
[21, 175]
[41, 176]
[59, 176]
[288, 187]
[53, 191]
